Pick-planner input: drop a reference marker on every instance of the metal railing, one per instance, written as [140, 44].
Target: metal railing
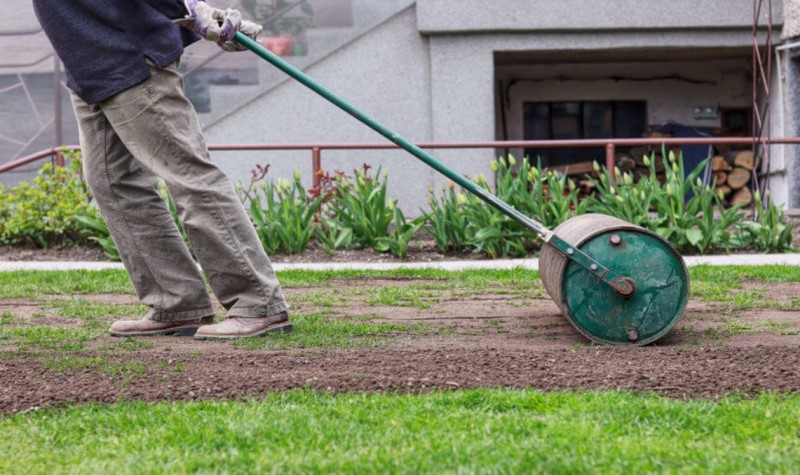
[610, 146]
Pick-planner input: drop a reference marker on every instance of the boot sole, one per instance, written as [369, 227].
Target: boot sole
[184, 331]
[283, 327]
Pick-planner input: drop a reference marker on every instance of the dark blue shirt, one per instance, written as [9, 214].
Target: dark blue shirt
[104, 44]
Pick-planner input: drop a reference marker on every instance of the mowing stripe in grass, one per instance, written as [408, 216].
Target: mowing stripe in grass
[488, 431]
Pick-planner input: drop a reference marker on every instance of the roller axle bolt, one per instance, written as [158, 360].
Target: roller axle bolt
[615, 240]
[632, 335]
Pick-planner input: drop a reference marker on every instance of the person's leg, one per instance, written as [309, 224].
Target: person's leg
[163, 272]
[160, 127]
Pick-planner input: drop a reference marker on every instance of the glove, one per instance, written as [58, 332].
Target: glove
[249, 29]
[217, 25]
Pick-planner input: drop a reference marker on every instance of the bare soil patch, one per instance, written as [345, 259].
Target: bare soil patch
[421, 250]
[512, 338]
[57, 253]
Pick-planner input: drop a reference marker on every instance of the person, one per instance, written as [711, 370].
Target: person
[136, 126]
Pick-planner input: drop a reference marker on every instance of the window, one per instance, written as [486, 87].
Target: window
[580, 120]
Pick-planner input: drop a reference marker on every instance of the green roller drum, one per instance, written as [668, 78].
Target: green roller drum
[617, 283]
[657, 271]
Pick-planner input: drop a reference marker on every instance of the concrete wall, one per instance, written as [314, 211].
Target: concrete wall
[385, 73]
[791, 13]
[452, 16]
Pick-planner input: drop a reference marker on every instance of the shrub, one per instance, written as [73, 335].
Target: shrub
[44, 212]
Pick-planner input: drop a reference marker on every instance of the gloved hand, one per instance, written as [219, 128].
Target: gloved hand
[217, 25]
[249, 29]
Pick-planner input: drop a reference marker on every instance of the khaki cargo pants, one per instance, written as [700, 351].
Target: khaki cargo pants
[151, 131]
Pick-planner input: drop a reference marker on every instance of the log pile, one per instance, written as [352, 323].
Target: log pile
[732, 170]
[733, 173]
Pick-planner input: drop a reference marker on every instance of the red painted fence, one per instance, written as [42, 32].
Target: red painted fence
[316, 150]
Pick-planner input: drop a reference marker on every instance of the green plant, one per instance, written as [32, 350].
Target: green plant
[618, 195]
[44, 211]
[333, 235]
[369, 432]
[446, 223]
[162, 188]
[96, 230]
[767, 233]
[549, 197]
[682, 210]
[360, 203]
[491, 232]
[282, 214]
[460, 221]
[397, 242]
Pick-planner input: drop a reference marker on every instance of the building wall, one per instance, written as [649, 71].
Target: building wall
[791, 13]
[453, 16]
[385, 73]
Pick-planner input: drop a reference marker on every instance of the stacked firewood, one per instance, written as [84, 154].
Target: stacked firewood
[733, 172]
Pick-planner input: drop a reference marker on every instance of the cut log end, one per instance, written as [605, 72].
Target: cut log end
[719, 164]
[738, 178]
[741, 196]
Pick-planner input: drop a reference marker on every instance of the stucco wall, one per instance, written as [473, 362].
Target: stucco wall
[791, 13]
[385, 73]
[448, 16]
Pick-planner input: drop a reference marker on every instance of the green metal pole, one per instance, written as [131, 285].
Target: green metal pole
[621, 285]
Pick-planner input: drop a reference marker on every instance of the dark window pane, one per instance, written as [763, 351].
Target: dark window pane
[598, 123]
[580, 120]
[566, 119]
[537, 127]
[630, 118]
[598, 120]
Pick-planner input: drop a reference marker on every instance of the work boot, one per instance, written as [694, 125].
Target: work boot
[241, 327]
[148, 327]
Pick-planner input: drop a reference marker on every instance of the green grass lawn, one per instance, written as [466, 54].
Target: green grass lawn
[486, 431]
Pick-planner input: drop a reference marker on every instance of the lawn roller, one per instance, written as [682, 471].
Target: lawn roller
[617, 283]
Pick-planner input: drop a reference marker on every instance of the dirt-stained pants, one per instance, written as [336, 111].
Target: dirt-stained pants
[151, 131]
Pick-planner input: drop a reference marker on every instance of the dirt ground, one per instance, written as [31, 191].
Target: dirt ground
[421, 250]
[461, 339]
